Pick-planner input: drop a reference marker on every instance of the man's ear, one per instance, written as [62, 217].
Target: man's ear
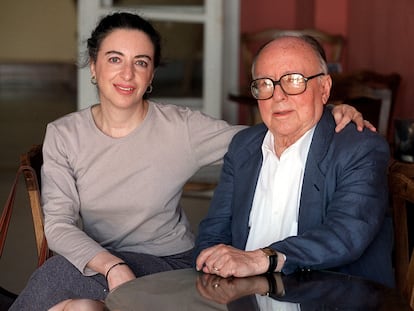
[326, 88]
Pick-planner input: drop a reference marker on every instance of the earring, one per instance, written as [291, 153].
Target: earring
[149, 89]
[93, 80]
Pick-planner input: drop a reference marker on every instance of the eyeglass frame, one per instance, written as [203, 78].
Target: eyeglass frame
[278, 82]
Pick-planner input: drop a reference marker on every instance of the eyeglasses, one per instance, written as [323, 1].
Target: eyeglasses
[291, 84]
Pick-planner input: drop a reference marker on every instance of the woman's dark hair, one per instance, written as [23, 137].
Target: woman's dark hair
[123, 20]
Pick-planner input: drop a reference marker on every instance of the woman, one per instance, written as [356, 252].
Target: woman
[113, 174]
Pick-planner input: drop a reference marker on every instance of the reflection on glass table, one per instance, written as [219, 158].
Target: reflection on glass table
[189, 290]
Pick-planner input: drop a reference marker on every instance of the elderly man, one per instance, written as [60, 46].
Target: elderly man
[295, 195]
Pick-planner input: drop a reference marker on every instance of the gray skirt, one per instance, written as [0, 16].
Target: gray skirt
[57, 279]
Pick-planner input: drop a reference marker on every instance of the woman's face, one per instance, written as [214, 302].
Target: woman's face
[124, 67]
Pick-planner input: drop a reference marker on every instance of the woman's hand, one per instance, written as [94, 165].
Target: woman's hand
[79, 304]
[118, 275]
[108, 265]
[343, 114]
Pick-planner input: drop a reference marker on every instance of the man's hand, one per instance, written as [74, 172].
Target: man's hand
[225, 261]
[343, 114]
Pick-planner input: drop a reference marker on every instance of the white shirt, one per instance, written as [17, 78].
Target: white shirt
[268, 304]
[274, 214]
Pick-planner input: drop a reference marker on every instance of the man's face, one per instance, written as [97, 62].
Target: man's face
[288, 117]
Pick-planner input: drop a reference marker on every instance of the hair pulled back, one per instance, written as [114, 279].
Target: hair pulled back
[123, 20]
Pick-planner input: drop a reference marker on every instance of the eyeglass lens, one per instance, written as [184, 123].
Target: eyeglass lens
[291, 84]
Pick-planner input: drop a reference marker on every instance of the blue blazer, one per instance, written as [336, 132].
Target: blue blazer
[344, 222]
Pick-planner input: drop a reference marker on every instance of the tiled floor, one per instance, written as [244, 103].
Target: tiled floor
[23, 118]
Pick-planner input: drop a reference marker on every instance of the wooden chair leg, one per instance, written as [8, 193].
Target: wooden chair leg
[400, 243]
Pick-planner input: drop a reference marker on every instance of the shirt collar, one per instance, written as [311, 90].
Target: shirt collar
[301, 146]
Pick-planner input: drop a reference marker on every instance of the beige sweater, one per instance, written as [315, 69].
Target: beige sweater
[125, 192]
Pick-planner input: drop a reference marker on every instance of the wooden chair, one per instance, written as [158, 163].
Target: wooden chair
[30, 164]
[251, 42]
[401, 186]
[372, 93]
[409, 286]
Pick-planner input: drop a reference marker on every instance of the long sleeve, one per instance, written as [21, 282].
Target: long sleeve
[103, 193]
[61, 205]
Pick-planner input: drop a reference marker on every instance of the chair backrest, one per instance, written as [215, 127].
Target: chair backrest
[30, 164]
[401, 186]
[34, 159]
[372, 93]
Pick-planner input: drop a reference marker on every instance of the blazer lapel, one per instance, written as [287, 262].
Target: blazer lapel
[310, 211]
[245, 185]
[313, 182]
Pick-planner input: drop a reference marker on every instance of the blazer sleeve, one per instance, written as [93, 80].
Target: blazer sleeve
[227, 218]
[216, 227]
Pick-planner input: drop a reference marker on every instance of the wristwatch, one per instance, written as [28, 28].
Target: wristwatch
[272, 255]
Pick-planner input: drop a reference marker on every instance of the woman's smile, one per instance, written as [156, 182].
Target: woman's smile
[123, 89]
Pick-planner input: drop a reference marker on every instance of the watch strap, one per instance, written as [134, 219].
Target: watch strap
[272, 255]
[272, 263]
